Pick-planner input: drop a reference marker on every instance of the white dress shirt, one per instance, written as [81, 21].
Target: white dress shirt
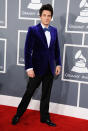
[47, 34]
[48, 38]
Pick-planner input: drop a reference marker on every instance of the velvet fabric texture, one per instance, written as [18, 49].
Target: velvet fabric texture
[36, 51]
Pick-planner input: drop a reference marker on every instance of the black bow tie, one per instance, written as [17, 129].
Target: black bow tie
[46, 29]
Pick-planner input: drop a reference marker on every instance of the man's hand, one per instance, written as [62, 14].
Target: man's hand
[58, 69]
[31, 73]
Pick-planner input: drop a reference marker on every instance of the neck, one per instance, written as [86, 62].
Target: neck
[45, 25]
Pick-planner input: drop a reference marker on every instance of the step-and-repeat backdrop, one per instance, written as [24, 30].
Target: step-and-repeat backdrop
[71, 19]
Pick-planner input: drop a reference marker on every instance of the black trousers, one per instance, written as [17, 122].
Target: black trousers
[47, 81]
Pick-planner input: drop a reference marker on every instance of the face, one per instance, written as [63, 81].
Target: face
[46, 17]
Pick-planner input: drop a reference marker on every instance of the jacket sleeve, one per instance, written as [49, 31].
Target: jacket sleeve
[57, 51]
[28, 49]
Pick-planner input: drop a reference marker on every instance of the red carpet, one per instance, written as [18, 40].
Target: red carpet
[30, 121]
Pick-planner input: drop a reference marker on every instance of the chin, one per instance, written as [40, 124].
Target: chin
[47, 23]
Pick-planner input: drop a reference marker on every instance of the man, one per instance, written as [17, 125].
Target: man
[41, 53]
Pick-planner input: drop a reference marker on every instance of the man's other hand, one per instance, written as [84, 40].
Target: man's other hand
[58, 69]
[31, 73]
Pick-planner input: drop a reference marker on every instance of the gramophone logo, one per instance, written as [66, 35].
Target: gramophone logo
[35, 5]
[83, 18]
[29, 9]
[80, 63]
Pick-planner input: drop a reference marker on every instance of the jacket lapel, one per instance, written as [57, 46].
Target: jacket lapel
[52, 35]
[42, 35]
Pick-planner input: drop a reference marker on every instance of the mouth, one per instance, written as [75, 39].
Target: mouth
[46, 21]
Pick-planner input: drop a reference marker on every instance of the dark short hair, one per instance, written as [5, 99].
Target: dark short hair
[46, 7]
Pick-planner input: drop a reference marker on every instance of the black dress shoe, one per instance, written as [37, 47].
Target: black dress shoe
[48, 122]
[15, 120]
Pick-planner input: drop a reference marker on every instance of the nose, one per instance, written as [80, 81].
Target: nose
[46, 16]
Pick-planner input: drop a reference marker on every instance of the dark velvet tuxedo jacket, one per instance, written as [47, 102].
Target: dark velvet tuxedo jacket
[36, 51]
